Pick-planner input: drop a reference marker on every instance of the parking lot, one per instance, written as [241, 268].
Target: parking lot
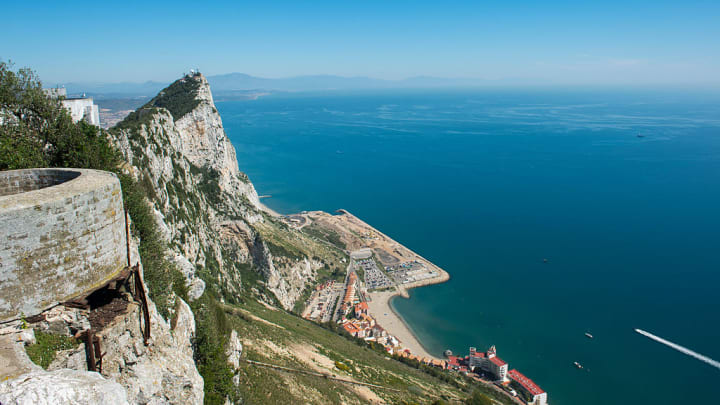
[374, 277]
[408, 272]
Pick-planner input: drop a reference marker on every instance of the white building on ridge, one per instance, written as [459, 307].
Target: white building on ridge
[80, 108]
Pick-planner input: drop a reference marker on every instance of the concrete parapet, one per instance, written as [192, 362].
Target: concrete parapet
[62, 236]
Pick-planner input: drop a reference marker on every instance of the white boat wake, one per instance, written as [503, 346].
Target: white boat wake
[679, 348]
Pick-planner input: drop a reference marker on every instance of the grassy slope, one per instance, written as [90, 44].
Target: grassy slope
[284, 241]
[278, 340]
[81, 145]
[290, 335]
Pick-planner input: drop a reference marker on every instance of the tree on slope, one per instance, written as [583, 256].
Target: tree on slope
[36, 131]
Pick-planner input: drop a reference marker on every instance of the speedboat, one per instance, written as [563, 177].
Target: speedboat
[588, 335]
[578, 365]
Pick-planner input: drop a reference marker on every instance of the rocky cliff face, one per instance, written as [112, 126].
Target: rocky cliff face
[208, 210]
[162, 371]
[219, 236]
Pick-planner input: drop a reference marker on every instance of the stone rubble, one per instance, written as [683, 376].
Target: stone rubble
[61, 387]
[163, 372]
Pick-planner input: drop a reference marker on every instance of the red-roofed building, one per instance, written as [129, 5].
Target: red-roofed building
[488, 362]
[453, 363]
[538, 395]
[354, 330]
[350, 328]
[361, 308]
[498, 361]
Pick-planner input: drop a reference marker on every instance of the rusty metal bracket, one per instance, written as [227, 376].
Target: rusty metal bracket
[93, 351]
[140, 294]
[139, 287]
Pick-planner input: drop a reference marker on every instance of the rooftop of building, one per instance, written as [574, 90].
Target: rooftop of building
[498, 361]
[351, 328]
[525, 382]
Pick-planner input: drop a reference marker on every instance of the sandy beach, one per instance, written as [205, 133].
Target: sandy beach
[385, 316]
[357, 234]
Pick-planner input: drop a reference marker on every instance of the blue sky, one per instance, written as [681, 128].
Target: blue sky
[575, 42]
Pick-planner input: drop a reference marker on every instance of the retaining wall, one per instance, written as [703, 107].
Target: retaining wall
[62, 235]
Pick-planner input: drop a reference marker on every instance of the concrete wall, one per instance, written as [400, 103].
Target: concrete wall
[23, 181]
[83, 108]
[62, 235]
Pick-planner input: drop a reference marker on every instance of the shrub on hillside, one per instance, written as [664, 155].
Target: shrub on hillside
[36, 131]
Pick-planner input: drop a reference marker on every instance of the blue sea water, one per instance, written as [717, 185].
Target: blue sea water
[488, 183]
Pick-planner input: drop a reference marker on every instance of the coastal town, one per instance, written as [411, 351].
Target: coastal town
[380, 269]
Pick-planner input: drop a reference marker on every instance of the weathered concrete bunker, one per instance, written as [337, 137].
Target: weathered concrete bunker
[62, 236]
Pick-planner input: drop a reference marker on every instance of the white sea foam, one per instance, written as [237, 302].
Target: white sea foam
[679, 348]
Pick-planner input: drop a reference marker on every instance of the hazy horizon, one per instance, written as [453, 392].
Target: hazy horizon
[563, 42]
[509, 81]
[240, 84]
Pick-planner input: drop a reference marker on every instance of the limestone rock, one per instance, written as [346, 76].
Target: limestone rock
[196, 286]
[64, 321]
[61, 387]
[163, 372]
[234, 350]
[184, 327]
[14, 361]
[27, 336]
[206, 208]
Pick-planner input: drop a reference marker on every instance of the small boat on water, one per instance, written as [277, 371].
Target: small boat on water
[639, 135]
[578, 365]
[588, 335]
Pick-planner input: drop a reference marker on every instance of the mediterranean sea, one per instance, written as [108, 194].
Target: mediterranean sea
[618, 189]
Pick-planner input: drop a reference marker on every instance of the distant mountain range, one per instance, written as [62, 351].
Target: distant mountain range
[240, 82]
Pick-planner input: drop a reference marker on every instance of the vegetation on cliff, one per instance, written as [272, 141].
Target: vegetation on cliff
[46, 345]
[36, 131]
[179, 98]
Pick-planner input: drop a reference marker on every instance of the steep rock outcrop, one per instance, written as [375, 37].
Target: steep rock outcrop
[161, 372]
[207, 209]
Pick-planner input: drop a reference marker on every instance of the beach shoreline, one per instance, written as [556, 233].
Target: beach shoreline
[382, 310]
[359, 235]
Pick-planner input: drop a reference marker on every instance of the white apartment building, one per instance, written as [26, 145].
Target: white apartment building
[537, 394]
[80, 108]
[489, 362]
